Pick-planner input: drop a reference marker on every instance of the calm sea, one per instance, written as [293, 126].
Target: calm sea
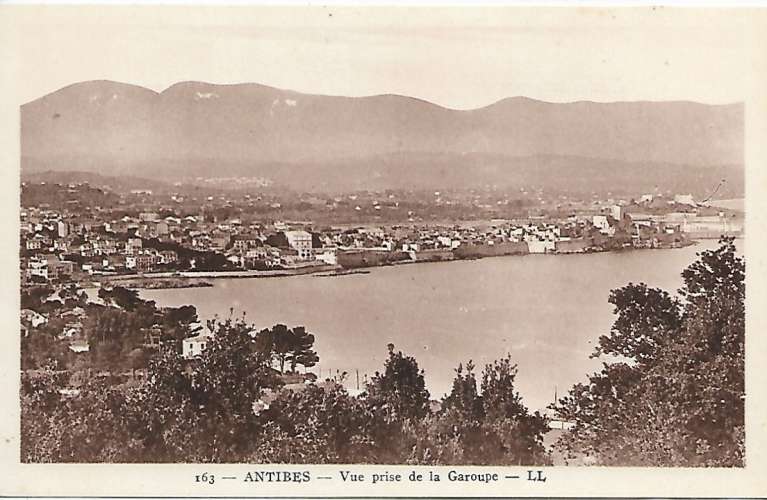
[547, 311]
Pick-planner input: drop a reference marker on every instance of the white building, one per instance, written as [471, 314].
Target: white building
[600, 222]
[62, 229]
[301, 242]
[133, 245]
[545, 246]
[617, 212]
[33, 317]
[327, 255]
[445, 241]
[38, 267]
[376, 232]
[79, 346]
[192, 347]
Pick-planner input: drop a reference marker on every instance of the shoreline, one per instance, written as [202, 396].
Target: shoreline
[192, 279]
[152, 283]
[196, 279]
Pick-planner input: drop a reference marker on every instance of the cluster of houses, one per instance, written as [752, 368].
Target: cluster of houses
[70, 321]
[69, 327]
[59, 246]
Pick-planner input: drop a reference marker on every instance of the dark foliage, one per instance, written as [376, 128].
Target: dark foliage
[677, 396]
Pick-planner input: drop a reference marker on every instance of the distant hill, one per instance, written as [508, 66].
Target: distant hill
[324, 142]
[119, 183]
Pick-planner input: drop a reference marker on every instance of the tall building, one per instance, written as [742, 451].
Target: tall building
[301, 242]
[62, 229]
[617, 212]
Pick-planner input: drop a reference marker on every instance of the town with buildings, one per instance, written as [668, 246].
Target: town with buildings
[141, 235]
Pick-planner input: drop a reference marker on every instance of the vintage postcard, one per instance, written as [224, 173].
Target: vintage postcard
[383, 251]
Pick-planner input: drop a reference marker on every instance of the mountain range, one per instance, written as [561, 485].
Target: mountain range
[321, 143]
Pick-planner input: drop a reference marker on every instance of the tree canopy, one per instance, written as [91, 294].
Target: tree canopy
[671, 391]
[485, 426]
[291, 346]
[229, 405]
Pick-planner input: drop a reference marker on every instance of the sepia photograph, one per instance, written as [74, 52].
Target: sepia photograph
[382, 236]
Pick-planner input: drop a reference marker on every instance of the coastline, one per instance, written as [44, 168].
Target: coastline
[153, 283]
[197, 279]
[193, 279]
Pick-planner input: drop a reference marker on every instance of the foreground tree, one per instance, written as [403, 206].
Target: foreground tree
[287, 346]
[34, 297]
[490, 426]
[119, 296]
[87, 428]
[676, 397]
[176, 323]
[182, 412]
[400, 390]
[396, 400]
[319, 424]
[301, 349]
[227, 380]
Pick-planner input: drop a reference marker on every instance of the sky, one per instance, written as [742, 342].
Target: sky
[457, 57]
